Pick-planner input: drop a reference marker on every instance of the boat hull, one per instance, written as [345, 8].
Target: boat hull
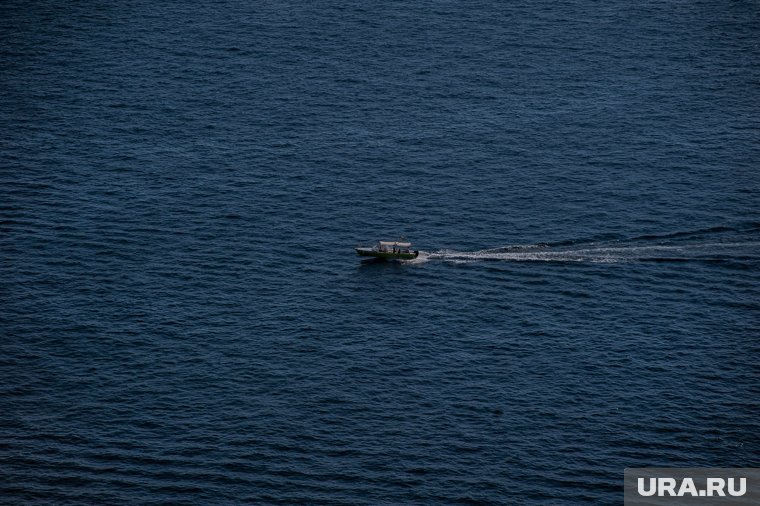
[389, 255]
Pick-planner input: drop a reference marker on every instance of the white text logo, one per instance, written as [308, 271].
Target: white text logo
[715, 487]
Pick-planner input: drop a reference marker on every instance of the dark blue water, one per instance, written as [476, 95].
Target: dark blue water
[183, 317]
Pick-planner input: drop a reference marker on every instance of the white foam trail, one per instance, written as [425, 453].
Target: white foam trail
[422, 258]
[597, 254]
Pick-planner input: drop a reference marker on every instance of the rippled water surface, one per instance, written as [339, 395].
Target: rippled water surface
[184, 320]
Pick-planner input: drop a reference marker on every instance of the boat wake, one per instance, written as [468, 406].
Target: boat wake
[604, 254]
[695, 246]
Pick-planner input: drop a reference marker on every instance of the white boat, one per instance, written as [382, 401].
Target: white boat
[389, 250]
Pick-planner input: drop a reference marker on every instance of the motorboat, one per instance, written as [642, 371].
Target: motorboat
[389, 250]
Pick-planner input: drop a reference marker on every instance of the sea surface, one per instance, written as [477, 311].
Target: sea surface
[184, 320]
